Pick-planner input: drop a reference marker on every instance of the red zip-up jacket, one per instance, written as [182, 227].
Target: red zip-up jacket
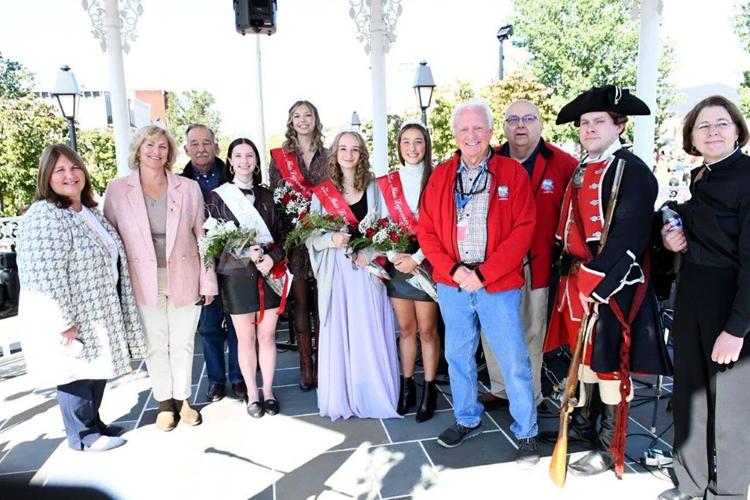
[553, 169]
[510, 224]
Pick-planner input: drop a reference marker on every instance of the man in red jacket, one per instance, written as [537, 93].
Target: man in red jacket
[475, 227]
[550, 170]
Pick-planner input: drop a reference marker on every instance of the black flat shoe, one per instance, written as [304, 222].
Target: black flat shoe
[255, 409]
[272, 406]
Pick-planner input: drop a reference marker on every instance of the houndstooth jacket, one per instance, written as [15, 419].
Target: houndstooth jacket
[67, 279]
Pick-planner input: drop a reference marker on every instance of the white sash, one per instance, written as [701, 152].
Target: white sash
[247, 215]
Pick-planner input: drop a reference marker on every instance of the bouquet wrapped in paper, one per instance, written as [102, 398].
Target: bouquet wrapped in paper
[225, 236]
[291, 202]
[392, 238]
[309, 222]
[369, 227]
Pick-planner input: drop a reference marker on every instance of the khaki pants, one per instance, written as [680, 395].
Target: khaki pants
[170, 333]
[534, 318]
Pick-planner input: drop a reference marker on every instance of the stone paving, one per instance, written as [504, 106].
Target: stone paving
[297, 454]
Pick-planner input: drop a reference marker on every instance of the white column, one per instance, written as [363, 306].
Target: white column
[648, 57]
[261, 114]
[117, 93]
[377, 71]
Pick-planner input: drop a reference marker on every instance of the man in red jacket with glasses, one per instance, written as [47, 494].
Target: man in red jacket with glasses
[549, 169]
[476, 225]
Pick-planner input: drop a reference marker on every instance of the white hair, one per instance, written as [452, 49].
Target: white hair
[472, 103]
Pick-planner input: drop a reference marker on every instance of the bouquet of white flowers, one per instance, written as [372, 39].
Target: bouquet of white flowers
[225, 236]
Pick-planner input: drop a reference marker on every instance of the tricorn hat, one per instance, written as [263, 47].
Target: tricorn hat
[607, 98]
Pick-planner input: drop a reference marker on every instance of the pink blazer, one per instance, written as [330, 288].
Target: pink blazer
[125, 208]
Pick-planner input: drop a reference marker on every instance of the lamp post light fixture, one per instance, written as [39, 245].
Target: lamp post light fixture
[67, 92]
[423, 87]
[503, 34]
[356, 122]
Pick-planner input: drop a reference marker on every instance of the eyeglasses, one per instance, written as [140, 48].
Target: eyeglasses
[705, 127]
[514, 120]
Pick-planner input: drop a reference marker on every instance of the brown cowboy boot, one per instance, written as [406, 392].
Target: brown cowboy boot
[304, 346]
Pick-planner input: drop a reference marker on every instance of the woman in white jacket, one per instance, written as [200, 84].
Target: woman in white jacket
[76, 299]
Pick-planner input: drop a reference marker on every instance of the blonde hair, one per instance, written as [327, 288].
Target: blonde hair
[150, 132]
[362, 174]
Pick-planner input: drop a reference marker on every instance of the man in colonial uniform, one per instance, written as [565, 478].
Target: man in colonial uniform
[610, 281]
[550, 169]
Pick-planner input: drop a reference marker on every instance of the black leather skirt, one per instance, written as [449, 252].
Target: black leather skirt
[240, 294]
[398, 288]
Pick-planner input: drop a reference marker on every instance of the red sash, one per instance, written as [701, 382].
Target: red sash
[395, 199]
[287, 165]
[334, 202]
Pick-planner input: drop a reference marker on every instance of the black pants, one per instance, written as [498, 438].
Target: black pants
[79, 403]
[711, 401]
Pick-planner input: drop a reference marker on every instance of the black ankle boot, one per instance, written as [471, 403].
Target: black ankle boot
[429, 399]
[407, 396]
[600, 459]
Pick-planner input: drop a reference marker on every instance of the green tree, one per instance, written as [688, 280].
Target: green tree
[394, 124]
[27, 125]
[598, 46]
[439, 118]
[97, 148]
[522, 85]
[15, 80]
[191, 106]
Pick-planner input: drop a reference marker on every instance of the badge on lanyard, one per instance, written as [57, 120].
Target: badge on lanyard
[462, 226]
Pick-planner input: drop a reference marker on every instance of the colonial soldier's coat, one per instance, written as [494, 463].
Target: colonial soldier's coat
[614, 276]
[622, 334]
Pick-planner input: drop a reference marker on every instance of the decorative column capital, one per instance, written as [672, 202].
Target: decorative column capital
[129, 10]
[361, 13]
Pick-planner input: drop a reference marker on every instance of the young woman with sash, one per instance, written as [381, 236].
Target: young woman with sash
[357, 360]
[301, 161]
[248, 299]
[415, 310]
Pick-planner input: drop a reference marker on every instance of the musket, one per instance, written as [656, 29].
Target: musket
[558, 467]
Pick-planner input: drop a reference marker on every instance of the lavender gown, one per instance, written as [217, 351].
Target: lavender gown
[357, 358]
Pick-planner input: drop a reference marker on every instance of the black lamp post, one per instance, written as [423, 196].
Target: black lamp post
[423, 87]
[67, 92]
[503, 34]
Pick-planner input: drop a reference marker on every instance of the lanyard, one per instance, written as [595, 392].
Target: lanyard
[462, 198]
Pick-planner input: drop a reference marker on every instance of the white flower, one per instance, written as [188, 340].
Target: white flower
[210, 224]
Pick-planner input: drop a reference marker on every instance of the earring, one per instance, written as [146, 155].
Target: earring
[256, 170]
[736, 144]
[231, 169]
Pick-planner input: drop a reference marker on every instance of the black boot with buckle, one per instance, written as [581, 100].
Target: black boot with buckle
[600, 459]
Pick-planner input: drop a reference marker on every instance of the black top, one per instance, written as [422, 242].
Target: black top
[716, 221]
[359, 209]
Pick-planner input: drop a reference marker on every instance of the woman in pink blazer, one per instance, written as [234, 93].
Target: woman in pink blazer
[159, 216]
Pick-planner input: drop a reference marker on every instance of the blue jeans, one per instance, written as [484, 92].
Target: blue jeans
[499, 315]
[212, 337]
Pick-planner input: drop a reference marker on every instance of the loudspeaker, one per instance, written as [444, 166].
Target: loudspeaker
[255, 16]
